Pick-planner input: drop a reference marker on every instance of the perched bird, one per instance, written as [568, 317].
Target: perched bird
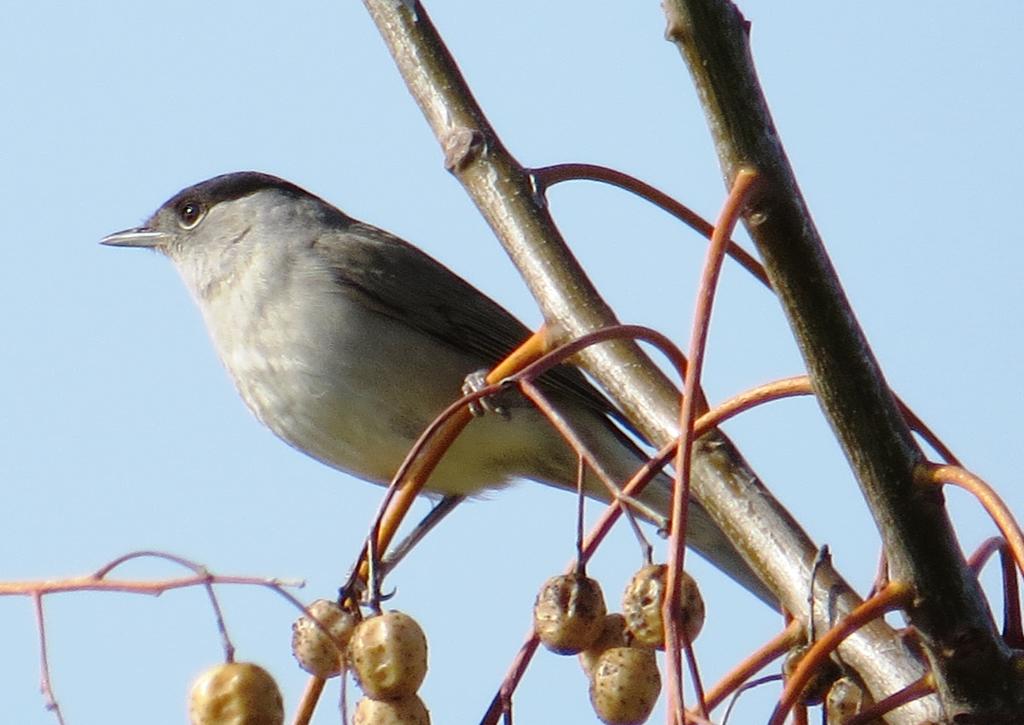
[346, 341]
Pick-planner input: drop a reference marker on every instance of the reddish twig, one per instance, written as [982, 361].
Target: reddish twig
[731, 212]
[501, 703]
[308, 701]
[45, 681]
[913, 691]
[133, 586]
[99, 581]
[893, 596]
[768, 652]
[983, 553]
[1013, 633]
[547, 176]
[986, 495]
[697, 680]
[558, 421]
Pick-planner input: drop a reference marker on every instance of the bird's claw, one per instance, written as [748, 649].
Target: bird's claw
[475, 382]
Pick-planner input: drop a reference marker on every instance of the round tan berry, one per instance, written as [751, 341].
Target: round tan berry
[318, 652]
[624, 686]
[388, 655]
[613, 634]
[821, 680]
[237, 693]
[845, 699]
[405, 711]
[569, 613]
[642, 602]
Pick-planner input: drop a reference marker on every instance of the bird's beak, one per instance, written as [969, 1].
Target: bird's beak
[138, 237]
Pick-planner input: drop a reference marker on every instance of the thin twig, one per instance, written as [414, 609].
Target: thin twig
[731, 211]
[308, 702]
[986, 495]
[548, 176]
[768, 652]
[45, 681]
[893, 596]
[913, 691]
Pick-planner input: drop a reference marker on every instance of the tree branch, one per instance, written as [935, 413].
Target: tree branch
[970, 662]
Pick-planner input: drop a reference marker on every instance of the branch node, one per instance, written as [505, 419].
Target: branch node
[461, 145]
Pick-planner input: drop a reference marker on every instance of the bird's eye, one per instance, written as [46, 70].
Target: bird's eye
[190, 213]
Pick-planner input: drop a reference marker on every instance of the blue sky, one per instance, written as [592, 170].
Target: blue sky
[120, 431]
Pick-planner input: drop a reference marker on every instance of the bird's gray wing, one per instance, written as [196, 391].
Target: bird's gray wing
[396, 279]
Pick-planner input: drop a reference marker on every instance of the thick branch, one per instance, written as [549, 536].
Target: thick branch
[971, 664]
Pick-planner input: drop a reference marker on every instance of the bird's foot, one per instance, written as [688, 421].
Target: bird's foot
[497, 403]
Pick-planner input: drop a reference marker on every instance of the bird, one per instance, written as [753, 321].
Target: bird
[346, 341]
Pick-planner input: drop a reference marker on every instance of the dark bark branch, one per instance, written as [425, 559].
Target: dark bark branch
[970, 662]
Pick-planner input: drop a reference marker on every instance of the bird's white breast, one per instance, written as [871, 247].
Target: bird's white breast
[333, 379]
